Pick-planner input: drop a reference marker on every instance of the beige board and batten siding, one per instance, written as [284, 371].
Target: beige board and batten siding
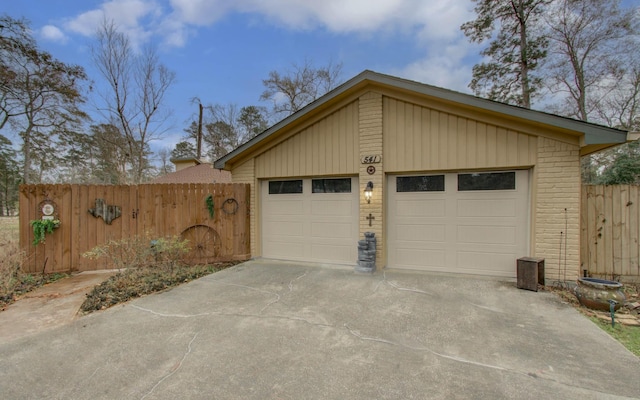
[419, 138]
[328, 147]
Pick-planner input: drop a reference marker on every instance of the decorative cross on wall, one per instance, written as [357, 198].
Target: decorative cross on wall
[370, 218]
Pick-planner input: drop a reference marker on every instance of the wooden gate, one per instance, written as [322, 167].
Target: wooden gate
[154, 210]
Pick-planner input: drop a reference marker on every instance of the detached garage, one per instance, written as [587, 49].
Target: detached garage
[457, 183]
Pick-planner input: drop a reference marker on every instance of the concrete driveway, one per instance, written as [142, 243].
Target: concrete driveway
[277, 330]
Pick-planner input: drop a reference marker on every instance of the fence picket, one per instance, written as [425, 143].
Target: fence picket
[611, 223]
[160, 209]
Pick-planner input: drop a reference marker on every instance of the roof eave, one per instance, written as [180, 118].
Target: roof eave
[592, 134]
[360, 78]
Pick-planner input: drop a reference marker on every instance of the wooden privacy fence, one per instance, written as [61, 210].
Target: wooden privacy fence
[155, 210]
[610, 229]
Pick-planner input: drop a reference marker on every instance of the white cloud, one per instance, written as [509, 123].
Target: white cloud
[443, 66]
[53, 34]
[174, 20]
[437, 18]
[334, 15]
[132, 17]
[86, 23]
[200, 12]
[438, 71]
[435, 25]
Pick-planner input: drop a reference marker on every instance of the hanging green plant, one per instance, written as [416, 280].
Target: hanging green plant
[41, 227]
[209, 201]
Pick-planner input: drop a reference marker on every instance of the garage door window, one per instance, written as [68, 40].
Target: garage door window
[487, 181]
[335, 185]
[285, 187]
[424, 183]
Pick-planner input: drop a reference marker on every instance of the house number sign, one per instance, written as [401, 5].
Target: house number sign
[372, 159]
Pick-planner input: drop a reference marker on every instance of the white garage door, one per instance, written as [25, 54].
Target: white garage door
[474, 223]
[310, 220]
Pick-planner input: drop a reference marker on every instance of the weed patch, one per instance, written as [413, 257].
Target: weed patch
[147, 265]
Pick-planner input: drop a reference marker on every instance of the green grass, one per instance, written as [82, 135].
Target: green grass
[629, 336]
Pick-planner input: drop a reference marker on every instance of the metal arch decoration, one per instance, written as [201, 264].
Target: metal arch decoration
[230, 206]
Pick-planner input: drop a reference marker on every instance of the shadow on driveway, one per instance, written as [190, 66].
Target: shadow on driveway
[278, 330]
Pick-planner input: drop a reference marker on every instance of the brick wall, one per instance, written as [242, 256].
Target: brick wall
[370, 130]
[557, 208]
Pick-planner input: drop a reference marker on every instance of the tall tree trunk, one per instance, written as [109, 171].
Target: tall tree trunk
[26, 143]
[524, 65]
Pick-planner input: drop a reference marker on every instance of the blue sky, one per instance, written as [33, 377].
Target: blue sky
[221, 50]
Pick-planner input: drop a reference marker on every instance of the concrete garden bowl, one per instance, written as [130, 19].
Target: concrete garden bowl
[595, 293]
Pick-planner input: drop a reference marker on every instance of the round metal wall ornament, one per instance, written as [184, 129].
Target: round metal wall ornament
[48, 209]
[230, 206]
[371, 170]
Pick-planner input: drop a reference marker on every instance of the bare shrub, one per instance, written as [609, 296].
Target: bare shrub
[147, 265]
[13, 280]
[142, 251]
[10, 269]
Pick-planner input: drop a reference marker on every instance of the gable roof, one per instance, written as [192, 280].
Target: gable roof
[593, 134]
[201, 173]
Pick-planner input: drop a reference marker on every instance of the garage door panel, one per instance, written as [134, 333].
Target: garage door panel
[466, 231]
[487, 208]
[330, 253]
[486, 234]
[331, 230]
[321, 227]
[484, 262]
[286, 250]
[286, 207]
[420, 208]
[422, 233]
[431, 257]
[332, 208]
[283, 228]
